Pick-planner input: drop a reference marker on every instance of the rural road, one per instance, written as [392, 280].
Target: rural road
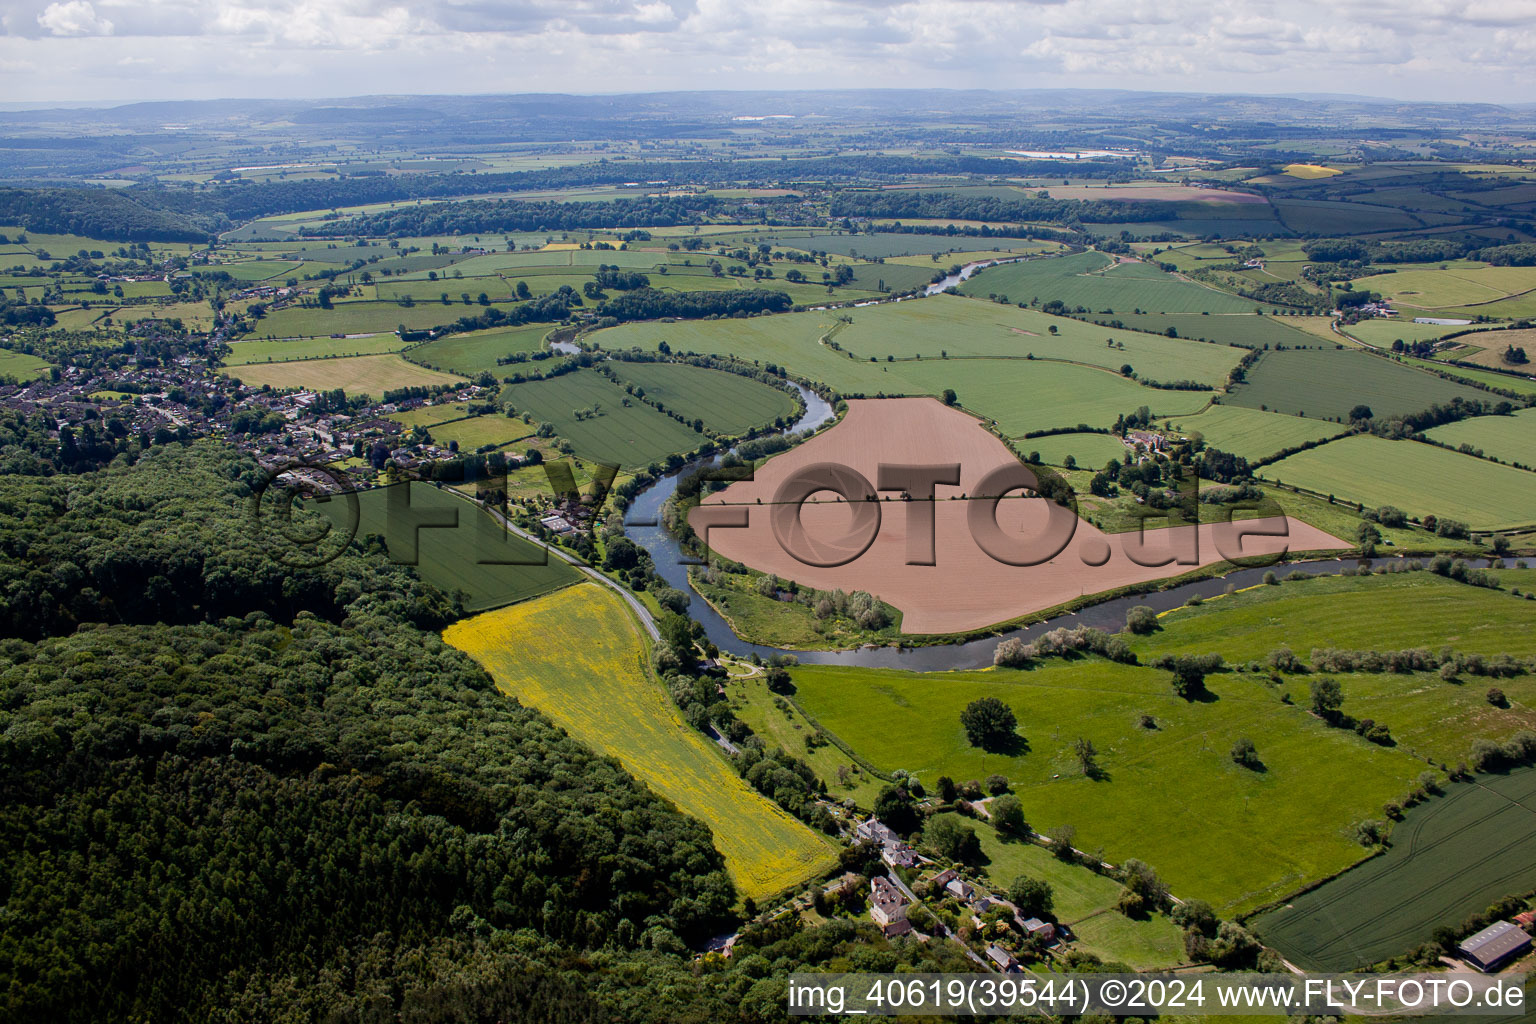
[943, 928]
[641, 610]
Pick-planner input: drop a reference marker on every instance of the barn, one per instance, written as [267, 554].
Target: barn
[1494, 946]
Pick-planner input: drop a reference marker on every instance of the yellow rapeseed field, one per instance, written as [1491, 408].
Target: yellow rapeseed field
[577, 656]
[1311, 171]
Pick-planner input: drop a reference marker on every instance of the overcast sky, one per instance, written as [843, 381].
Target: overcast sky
[124, 50]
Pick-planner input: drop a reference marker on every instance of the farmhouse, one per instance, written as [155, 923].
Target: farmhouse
[888, 907]
[875, 831]
[899, 855]
[1494, 946]
[959, 887]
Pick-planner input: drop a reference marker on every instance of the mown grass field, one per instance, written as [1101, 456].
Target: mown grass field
[1386, 612]
[1083, 899]
[477, 351]
[1504, 381]
[1506, 438]
[1418, 478]
[1093, 280]
[1462, 283]
[454, 545]
[1451, 857]
[242, 353]
[1170, 795]
[1326, 383]
[1382, 333]
[490, 429]
[727, 402]
[1254, 434]
[627, 436]
[356, 375]
[1090, 451]
[358, 317]
[21, 366]
[578, 657]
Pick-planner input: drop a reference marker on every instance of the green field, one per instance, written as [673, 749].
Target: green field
[359, 317]
[1506, 438]
[578, 657]
[356, 375]
[1418, 478]
[242, 353]
[1382, 333]
[1349, 612]
[1326, 383]
[1022, 394]
[1450, 858]
[728, 403]
[1507, 382]
[477, 431]
[628, 436]
[1094, 280]
[477, 351]
[21, 366]
[1091, 451]
[1254, 434]
[1168, 795]
[1462, 283]
[1320, 217]
[1083, 899]
[1243, 329]
[459, 555]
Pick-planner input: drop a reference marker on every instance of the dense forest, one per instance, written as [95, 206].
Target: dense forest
[491, 216]
[904, 203]
[649, 304]
[271, 793]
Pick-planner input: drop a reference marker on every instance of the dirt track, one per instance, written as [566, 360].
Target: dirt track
[965, 588]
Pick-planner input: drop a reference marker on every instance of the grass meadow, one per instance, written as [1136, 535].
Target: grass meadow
[1169, 795]
[243, 353]
[1327, 382]
[476, 352]
[21, 366]
[455, 545]
[1507, 438]
[1452, 856]
[356, 375]
[578, 657]
[1254, 434]
[1243, 329]
[1094, 280]
[1418, 478]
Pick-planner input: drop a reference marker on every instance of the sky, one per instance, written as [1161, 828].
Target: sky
[116, 51]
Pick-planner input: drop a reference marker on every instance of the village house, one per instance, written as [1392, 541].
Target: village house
[888, 907]
[1038, 929]
[1003, 959]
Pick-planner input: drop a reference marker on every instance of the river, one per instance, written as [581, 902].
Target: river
[643, 526]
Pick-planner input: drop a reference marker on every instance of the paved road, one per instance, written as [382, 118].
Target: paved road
[943, 928]
[644, 613]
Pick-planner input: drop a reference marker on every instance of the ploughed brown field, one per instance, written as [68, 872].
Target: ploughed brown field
[965, 587]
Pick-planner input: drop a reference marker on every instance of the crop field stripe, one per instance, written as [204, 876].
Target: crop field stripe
[578, 656]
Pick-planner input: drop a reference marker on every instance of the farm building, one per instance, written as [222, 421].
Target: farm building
[1036, 928]
[1494, 946]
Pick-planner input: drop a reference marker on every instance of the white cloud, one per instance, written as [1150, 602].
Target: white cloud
[74, 18]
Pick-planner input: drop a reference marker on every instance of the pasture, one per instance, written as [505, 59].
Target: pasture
[477, 432]
[578, 657]
[728, 403]
[630, 436]
[1449, 858]
[1506, 438]
[453, 544]
[1418, 478]
[242, 353]
[1381, 333]
[21, 366]
[1488, 348]
[1327, 382]
[476, 352]
[1251, 433]
[1100, 283]
[1169, 795]
[356, 375]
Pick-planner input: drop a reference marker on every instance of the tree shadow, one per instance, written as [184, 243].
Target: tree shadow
[1012, 745]
[1097, 773]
